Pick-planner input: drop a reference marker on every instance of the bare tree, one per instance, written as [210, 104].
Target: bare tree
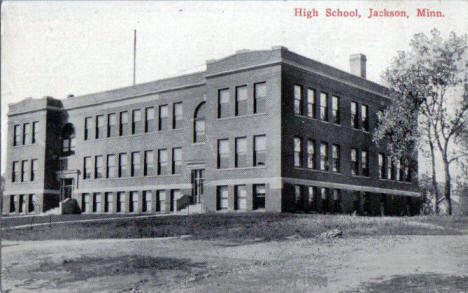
[429, 86]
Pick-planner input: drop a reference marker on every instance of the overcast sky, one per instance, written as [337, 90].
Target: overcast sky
[60, 48]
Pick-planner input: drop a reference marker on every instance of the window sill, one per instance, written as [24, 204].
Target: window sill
[242, 168]
[133, 135]
[317, 119]
[130, 177]
[360, 130]
[24, 145]
[395, 181]
[361, 176]
[317, 170]
[242, 116]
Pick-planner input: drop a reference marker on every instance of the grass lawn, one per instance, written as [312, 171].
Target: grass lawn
[240, 227]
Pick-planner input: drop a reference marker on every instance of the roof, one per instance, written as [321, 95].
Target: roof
[240, 61]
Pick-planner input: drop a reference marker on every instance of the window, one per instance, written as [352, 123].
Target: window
[311, 103]
[133, 202]
[108, 202]
[175, 194]
[381, 159]
[149, 168]
[259, 98]
[161, 200]
[200, 130]
[136, 121]
[259, 196]
[87, 127]
[324, 156]
[199, 124]
[365, 163]
[297, 152]
[135, 170]
[33, 169]
[223, 103]
[380, 117]
[12, 204]
[16, 135]
[312, 199]
[365, 117]
[121, 202]
[162, 162]
[241, 100]
[177, 161]
[149, 119]
[87, 168]
[311, 154]
[402, 169]
[68, 140]
[123, 127]
[223, 153]
[336, 197]
[163, 117]
[86, 203]
[259, 155]
[336, 109]
[35, 131]
[336, 158]
[100, 126]
[15, 174]
[408, 172]
[122, 165]
[21, 204]
[222, 197]
[324, 106]
[354, 115]
[297, 99]
[240, 200]
[110, 166]
[111, 125]
[240, 159]
[397, 170]
[97, 202]
[26, 133]
[146, 206]
[390, 169]
[324, 199]
[32, 203]
[24, 170]
[98, 167]
[178, 116]
[298, 197]
[354, 162]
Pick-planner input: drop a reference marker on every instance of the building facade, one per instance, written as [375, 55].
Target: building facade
[259, 130]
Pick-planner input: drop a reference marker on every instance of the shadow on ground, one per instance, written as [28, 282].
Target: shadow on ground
[417, 283]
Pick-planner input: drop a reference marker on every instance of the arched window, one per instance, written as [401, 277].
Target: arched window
[68, 140]
[199, 134]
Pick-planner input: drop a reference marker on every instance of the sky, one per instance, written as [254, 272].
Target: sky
[70, 47]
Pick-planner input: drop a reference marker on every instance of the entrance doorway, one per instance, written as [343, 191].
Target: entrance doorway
[66, 188]
[198, 179]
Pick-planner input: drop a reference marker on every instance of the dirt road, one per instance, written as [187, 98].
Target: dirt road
[365, 264]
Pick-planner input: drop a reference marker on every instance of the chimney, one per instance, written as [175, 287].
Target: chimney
[357, 64]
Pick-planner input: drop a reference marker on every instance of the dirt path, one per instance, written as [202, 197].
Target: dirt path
[184, 265]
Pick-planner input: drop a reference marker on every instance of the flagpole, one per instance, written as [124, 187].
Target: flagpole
[134, 56]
